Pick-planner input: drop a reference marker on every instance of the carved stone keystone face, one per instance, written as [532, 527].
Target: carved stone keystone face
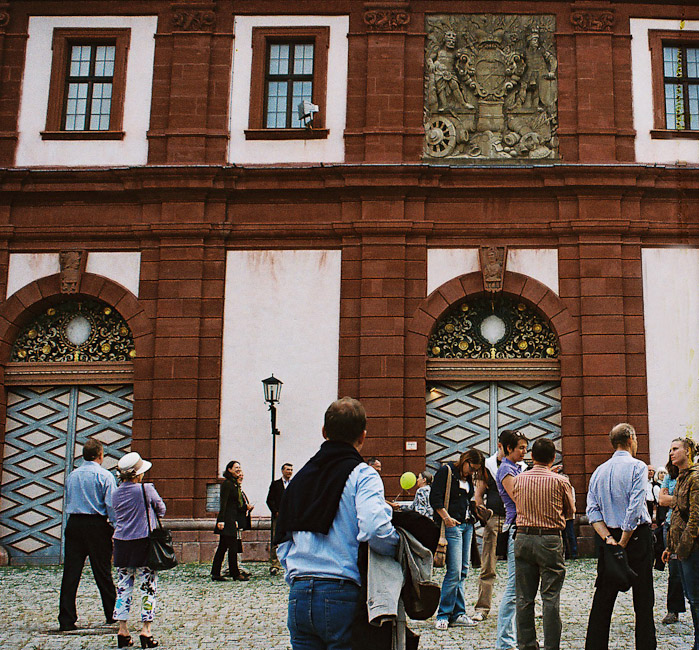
[491, 88]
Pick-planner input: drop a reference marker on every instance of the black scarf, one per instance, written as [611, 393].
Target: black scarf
[312, 497]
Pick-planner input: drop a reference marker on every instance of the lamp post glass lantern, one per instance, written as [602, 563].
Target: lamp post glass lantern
[273, 389]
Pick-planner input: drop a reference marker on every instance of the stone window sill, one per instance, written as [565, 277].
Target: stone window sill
[286, 134]
[82, 135]
[670, 134]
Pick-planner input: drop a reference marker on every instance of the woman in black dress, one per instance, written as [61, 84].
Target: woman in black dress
[233, 517]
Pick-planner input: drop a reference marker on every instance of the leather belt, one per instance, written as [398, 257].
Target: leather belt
[534, 530]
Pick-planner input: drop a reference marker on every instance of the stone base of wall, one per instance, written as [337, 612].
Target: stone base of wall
[195, 541]
[586, 540]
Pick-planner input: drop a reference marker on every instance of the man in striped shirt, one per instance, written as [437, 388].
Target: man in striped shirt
[544, 501]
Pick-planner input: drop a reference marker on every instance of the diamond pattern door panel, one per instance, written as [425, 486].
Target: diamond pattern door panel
[463, 415]
[104, 413]
[534, 408]
[458, 418]
[46, 428]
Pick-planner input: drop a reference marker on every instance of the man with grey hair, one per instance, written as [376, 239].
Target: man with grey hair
[88, 533]
[616, 509]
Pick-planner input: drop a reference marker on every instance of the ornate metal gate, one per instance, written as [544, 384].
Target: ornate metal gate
[46, 429]
[464, 415]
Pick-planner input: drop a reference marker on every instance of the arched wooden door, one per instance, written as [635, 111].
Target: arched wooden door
[492, 365]
[70, 380]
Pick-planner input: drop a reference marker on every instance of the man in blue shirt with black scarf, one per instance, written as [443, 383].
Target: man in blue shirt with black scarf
[333, 503]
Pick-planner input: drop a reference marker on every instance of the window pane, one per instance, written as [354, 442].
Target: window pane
[303, 90]
[674, 106]
[77, 91]
[101, 106]
[303, 59]
[104, 60]
[80, 60]
[693, 62]
[278, 59]
[693, 92]
[276, 104]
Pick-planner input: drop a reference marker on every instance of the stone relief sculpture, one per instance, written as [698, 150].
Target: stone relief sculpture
[491, 87]
[493, 261]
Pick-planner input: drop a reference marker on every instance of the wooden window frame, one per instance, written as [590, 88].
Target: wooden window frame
[261, 38]
[657, 39]
[63, 39]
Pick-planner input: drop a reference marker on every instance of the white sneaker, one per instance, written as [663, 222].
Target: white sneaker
[478, 617]
[441, 624]
[463, 621]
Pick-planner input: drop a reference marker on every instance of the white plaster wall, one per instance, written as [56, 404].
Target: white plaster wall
[648, 150]
[538, 263]
[25, 268]
[443, 264]
[133, 149]
[671, 316]
[123, 268]
[281, 316]
[331, 149]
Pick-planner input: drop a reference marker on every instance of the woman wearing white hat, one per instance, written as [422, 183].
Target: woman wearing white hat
[133, 502]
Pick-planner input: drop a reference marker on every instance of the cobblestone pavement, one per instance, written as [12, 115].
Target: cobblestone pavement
[194, 613]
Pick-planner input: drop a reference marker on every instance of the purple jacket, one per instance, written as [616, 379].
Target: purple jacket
[127, 502]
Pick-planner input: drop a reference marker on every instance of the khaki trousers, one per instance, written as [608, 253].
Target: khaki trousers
[488, 563]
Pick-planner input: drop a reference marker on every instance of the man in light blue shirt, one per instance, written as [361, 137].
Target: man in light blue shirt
[617, 510]
[88, 503]
[335, 502]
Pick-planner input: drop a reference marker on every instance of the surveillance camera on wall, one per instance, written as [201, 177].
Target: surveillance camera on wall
[306, 111]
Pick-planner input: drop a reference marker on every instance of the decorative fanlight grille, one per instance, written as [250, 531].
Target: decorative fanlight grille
[84, 330]
[493, 328]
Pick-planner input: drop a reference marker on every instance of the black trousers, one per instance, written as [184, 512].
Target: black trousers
[226, 543]
[86, 536]
[640, 555]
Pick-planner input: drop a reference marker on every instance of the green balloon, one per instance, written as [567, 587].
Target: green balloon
[408, 480]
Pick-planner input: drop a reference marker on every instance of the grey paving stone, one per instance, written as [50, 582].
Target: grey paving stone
[195, 614]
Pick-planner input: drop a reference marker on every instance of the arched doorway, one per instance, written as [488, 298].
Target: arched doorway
[69, 379]
[492, 363]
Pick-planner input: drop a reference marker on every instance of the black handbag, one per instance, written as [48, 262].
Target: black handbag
[161, 554]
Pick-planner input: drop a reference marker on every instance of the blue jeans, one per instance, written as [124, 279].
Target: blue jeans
[689, 572]
[321, 613]
[452, 602]
[506, 614]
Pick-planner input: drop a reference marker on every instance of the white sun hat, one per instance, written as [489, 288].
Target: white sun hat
[133, 465]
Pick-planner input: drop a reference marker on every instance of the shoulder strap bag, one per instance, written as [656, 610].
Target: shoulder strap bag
[161, 554]
[440, 555]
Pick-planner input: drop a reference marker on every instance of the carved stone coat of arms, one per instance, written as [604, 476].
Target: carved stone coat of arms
[491, 87]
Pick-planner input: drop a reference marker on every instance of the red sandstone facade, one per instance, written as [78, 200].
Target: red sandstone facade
[383, 208]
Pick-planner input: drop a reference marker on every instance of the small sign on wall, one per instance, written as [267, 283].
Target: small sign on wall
[213, 497]
[410, 445]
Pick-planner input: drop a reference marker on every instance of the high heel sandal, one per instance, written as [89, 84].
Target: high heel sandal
[124, 640]
[148, 641]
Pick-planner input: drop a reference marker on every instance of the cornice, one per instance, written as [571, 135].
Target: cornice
[212, 182]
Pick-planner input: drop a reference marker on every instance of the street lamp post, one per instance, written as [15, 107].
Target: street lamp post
[273, 389]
